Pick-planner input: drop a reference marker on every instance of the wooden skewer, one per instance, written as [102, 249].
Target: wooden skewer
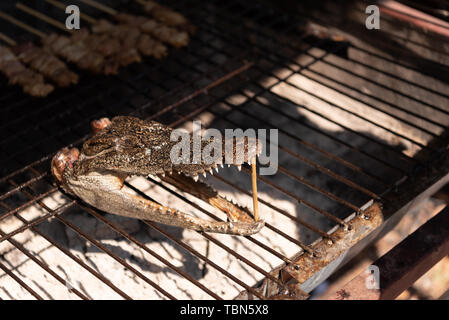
[7, 39]
[142, 2]
[254, 185]
[43, 17]
[22, 25]
[62, 6]
[100, 6]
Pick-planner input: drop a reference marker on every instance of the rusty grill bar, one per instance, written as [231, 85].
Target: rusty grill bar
[242, 52]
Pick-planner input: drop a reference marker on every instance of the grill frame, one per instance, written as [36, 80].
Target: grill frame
[235, 69]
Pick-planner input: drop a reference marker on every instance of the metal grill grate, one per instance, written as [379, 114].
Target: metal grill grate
[351, 126]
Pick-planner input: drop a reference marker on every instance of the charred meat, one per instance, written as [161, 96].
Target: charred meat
[131, 39]
[46, 63]
[168, 17]
[164, 33]
[74, 50]
[17, 73]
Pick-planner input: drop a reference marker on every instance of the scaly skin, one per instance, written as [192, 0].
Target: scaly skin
[129, 146]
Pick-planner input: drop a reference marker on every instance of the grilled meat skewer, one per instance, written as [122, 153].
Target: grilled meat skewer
[168, 17]
[117, 48]
[105, 46]
[98, 54]
[131, 38]
[31, 82]
[45, 63]
[75, 50]
[170, 35]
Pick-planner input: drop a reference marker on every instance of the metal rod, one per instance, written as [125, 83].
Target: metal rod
[24, 168]
[51, 213]
[383, 86]
[22, 249]
[410, 15]
[23, 185]
[96, 214]
[20, 282]
[267, 89]
[153, 253]
[69, 254]
[312, 185]
[28, 203]
[283, 212]
[399, 63]
[98, 245]
[355, 208]
[203, 90]
[311, 163]
[252, 239]
[115, 257]
[322, 59]
[109, 90]
[204, 258]
[303, 142]
[304, 202]
[400, 49]
[292, 61]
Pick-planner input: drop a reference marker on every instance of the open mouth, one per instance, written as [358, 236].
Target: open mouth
[129, 146]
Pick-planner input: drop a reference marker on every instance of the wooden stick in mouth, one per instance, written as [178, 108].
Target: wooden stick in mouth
[254, 185]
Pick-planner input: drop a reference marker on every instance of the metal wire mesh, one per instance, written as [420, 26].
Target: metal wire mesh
[244, 68]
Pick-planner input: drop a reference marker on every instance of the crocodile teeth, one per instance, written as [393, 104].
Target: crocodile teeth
[229, 165]
[211, 171]
[239, 167]
[204, 174]
[163, 174]
[195, 177]
[216, 169]
[221, 164]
